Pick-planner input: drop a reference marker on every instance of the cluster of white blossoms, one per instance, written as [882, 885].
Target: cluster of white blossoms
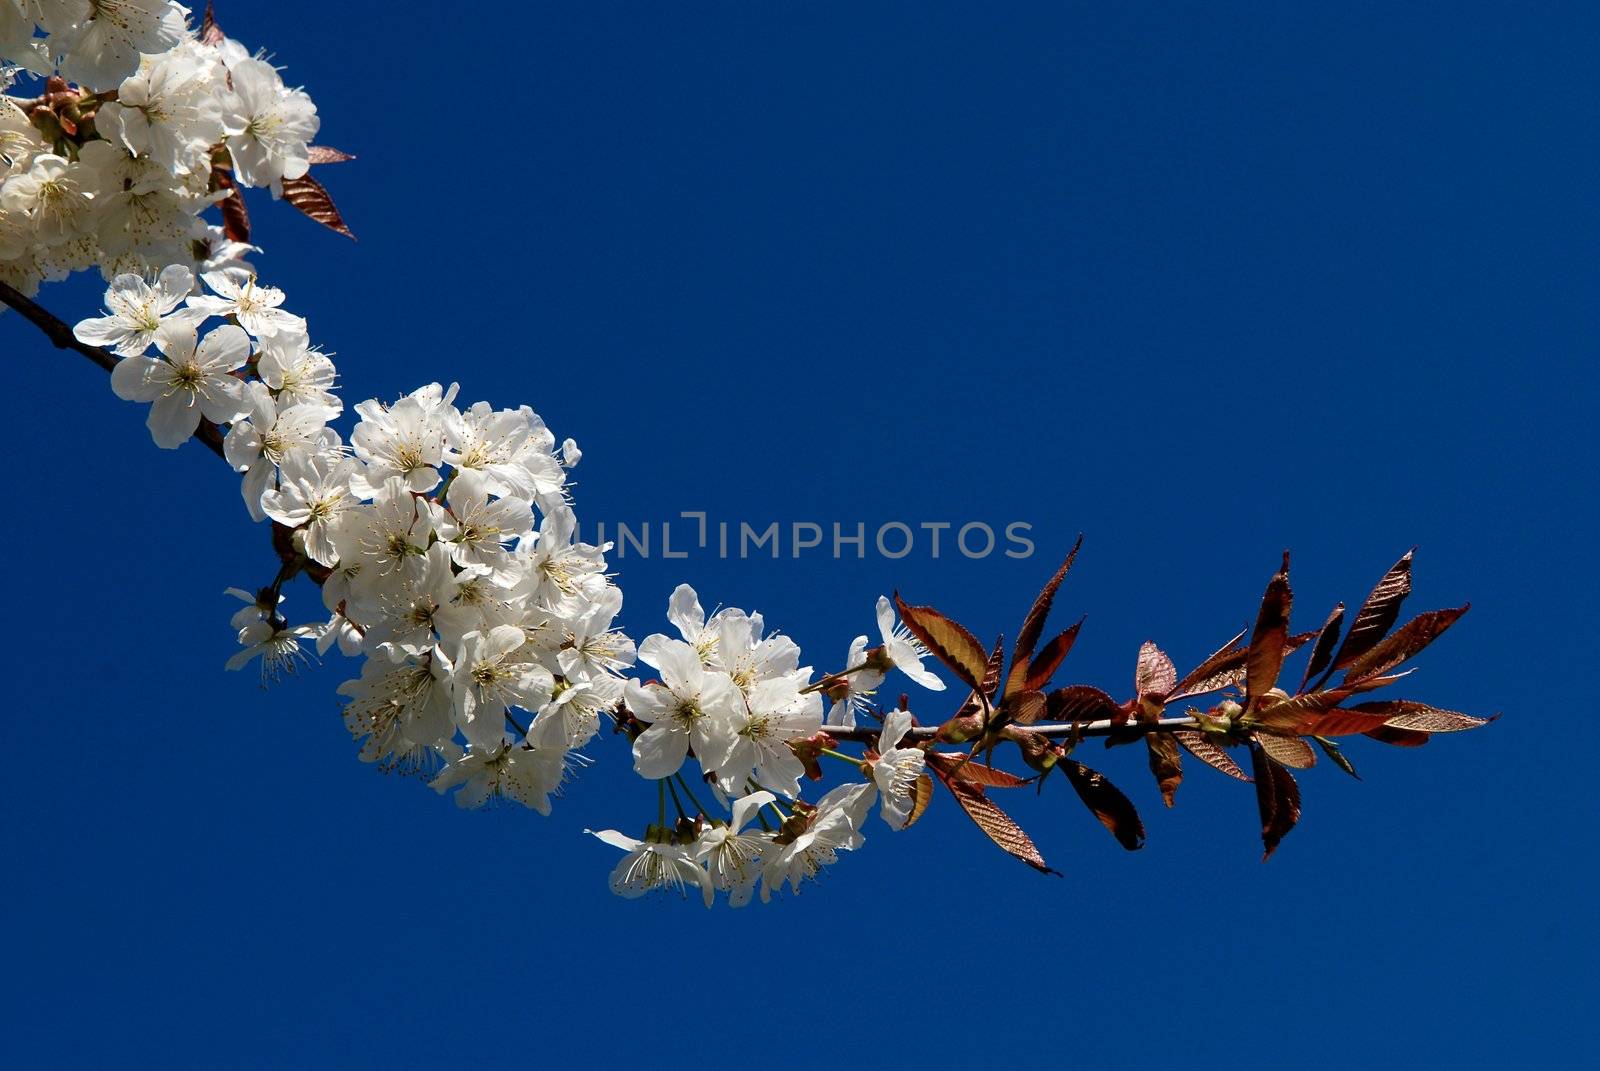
[739, 702]
[114, 173]
[442, 537]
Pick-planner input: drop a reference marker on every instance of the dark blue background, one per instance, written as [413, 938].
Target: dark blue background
[1202, 281]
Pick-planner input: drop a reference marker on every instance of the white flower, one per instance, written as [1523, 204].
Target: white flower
[137, 311]
[774, 713]
[296, 373]
[269, 126]
[741, 652]
[579, 706]
[258, 443]
[649, 866]
[686, 615]
[399, 708]
[169, 111]
[476, 527]
[558, 570]
[897, 769]
[835, 827]
[850, 694]
[410, 599]
[313, 491]
[388, 539]
[405, 440]
[51, 196]
[593, 648]
[502, 445]
[903, 649]
[98, 42]
[276, 644]
[189, 383]
[529, 774]
[690, 706]
[255, 307]
[732, 857]
[489, 680]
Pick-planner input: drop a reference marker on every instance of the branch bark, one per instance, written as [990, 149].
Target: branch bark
[61, 336]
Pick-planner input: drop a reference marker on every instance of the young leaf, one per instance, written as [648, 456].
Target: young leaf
[308, 195]
[1269, 639]
[921, 796]
[1210, 753]
[964, 768]
[948, 641]
[991, 670]
[995, 823]
[1340, 722]
[1080, 702]
[1323, 651]
[1025, 708]
[1405, 643]
[1220, 666]
[1287, 750]
[1033, 625]
[210, 32]
[1330, 749]
[1045, 664]
[1277, 800]
[1155, 676]
[1222, 669]
[322, 154]
[1166, 762]
[1378, 614]
[235, 217]
[1420, 717]
[1115, 811]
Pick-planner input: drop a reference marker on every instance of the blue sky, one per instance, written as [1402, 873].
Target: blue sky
[1201, 282]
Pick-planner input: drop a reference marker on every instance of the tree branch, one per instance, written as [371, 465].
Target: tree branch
[57, 331]
[1052, 730]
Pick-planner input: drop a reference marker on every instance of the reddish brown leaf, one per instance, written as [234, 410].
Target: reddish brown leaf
[1323, 651]
[1033, 626]
[1405, 643]
[1225, 667]
[210, 32]
[1399, 737]
[235, 217]
[1080, 702]
[1155, 676]
[1288, 715]
[307, 195]
[1027, 707]
[921, 796]
[1269, 639]
[995, 823]
[954, 764]
[1378, 614]
[1166, 763]
[1210, 753]
[947, 641]
[322, 154]
[1115, 811]
[1277, 800]
[991, 670]
[1045, 664]
[1350, 722]
[1287, 750]
[1420, 717]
